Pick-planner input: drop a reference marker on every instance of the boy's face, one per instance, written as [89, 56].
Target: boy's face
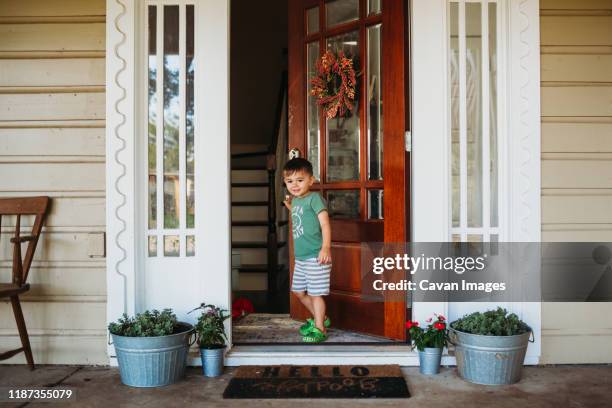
[298, 183]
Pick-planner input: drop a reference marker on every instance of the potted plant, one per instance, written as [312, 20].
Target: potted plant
[490, 347]
[151, 348]
[211, 338]
[429, 342]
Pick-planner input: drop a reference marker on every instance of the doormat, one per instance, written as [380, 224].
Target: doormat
[289, 381]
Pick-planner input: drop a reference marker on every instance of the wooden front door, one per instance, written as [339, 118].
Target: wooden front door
[359, 159]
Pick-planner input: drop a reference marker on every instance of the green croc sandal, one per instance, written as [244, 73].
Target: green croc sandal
[315, 336]
[306, 327]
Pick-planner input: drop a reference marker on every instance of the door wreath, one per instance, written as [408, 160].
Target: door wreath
[334, 84]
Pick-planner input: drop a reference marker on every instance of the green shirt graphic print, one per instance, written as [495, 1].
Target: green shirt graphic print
[306, 229]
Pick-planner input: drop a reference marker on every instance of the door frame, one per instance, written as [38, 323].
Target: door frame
[430, 194]
[125, 107]
[396, 164]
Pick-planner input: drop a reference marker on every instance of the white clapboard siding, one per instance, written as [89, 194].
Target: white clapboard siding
[579, 173]
[43, 177]
[52, 111]
[580, 206]
[576, 30]
[62, 279]
[576, 162]
[52, 37]
[80, 211]
[58, 246]
[52, 106]
[52, 72]
[574, 101]
[573, 137]
[577, 5]
[52, 142]
[61, 347]
[37, 8]
[60, 315]
[576, 68]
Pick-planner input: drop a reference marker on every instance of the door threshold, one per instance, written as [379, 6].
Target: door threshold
[322, 355]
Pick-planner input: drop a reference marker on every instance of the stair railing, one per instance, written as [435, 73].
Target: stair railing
[274, 161]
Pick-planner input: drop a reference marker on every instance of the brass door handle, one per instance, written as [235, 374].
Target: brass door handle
[294, 153]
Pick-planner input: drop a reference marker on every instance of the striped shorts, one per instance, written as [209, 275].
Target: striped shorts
[310, 276]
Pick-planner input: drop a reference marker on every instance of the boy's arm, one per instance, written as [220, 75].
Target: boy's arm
[325, 253]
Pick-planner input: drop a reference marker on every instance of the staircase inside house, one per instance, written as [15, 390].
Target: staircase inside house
[260, 253]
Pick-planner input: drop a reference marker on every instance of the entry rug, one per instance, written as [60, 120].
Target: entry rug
[289, 381]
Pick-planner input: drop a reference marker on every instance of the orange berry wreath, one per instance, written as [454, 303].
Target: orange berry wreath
[334, 84]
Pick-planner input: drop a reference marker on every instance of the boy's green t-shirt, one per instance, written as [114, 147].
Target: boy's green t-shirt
[307, 237]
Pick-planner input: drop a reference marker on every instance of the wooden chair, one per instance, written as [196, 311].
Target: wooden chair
[37, 206]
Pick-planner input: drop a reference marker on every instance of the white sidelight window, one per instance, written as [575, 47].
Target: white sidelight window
[474, 125]
[169, 130]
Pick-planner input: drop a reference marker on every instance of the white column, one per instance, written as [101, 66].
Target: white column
[212, 150]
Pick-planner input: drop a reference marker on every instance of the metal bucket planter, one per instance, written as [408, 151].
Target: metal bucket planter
[429, 360]
[489, 360]
[153, 361]
[212, 361]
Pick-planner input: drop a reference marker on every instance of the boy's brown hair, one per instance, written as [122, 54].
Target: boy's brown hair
[297, 164]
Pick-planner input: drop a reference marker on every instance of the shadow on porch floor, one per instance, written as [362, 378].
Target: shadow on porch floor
[264, 328]
[555, 387]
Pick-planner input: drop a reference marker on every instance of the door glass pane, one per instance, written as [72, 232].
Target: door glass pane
[152, 122]
[189, 129]
[343, 203]
[190, 250]
[152, 245]
[374, 6]
[341, 11]
[343, 132]
[171, 117]
[171, 245]
[312, 20]
[375, 204]
[454, 93]
[374, 105]
[473, 65]
[474, 238]
[493, 111]
[313, 125]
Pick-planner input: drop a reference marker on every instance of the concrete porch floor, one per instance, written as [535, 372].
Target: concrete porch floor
[558, 387]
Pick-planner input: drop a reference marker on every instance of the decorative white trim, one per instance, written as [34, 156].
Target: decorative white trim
[120, 187]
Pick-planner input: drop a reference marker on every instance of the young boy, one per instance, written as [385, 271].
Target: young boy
[311, 247]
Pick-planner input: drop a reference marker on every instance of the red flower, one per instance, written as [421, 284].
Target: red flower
[410, 324]
[439, 326]
[441, 318]
[241, 307]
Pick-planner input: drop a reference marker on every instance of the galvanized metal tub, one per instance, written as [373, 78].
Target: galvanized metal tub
[153, 361]
[489, 360]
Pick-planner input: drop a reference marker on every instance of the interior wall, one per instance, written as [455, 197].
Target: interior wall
[52, 121]
[576, 61]
[258, 38]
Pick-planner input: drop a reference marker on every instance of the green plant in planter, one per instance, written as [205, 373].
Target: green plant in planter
[434, 336]
[209, 328]
[491, 323]
[147, 324]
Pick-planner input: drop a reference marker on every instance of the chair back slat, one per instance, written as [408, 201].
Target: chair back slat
[24, 205]
[37, 206]
[17, 264]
